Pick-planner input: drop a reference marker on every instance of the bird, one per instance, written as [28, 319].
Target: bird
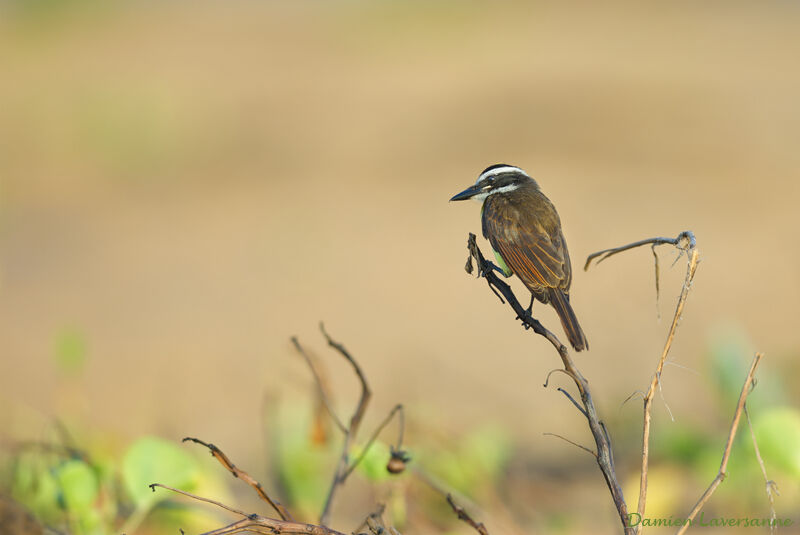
[524, 230]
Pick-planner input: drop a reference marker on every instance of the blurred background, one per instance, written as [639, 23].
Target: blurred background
[186, 185]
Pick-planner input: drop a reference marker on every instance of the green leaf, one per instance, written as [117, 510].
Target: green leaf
[305, 470]
[489, 449]
[373, 466]
[36, 487]
[154, 460]
[78, 485]
[777, 431]
[478, 461]
[730, 358]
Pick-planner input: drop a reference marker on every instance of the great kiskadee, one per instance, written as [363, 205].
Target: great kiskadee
[524, 229]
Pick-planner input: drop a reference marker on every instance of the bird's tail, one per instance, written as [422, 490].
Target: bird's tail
[560, 302]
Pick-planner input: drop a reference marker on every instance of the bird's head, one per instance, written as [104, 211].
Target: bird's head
[498, 178]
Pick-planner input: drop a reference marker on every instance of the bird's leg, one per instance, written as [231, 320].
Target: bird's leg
[498, 269]
[529, 310]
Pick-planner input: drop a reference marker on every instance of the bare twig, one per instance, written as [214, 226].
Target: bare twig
[746, 389]
[398, 409]
[604, 453]
[244, 476]
[685, 242]
[355, 420]
[554, 370]
[658, 292]
[572, 400]
[771, 486]
[199, 498]
[462, 515]
[320, 387]
[342, 467]
[565, 439]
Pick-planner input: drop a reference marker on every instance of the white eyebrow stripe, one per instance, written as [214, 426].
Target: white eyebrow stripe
[500, 170]
[504, 189]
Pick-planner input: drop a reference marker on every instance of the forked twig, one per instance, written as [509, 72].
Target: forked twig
[749, 382]
[685, 242]
[244, 476]
[343, 466]
[355, 420]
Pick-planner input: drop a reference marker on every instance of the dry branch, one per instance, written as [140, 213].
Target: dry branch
[604, 452]
[771, 486]
[323, 395]
[244, 476]
[345, 467]
[375, 524]
[462, 515]
[685, 243]
[685, 240]
[253, 523]
[749, 382]
[565, 439]
[342, 467]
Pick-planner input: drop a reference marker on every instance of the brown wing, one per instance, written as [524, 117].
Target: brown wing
[527, 235]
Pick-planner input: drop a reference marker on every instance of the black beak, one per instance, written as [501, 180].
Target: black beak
[467, 193]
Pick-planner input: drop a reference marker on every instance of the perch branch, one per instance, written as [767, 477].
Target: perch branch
[244, 476]
[687, 243]
[604, 454]
[746, 389]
